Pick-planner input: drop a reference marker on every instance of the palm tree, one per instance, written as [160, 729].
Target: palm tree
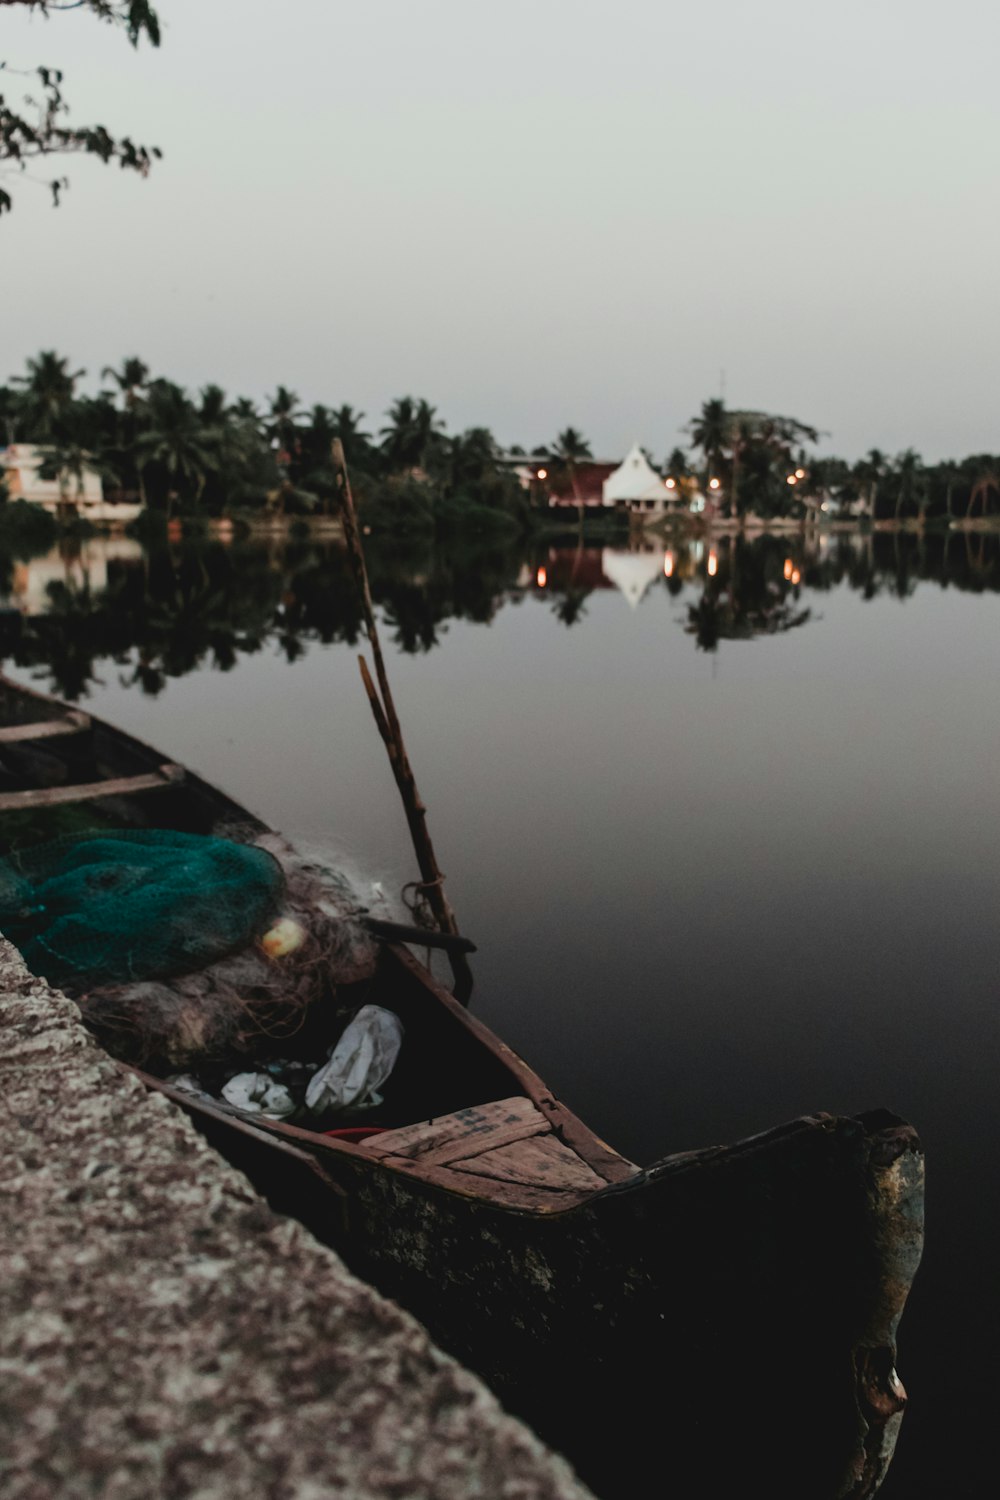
[243, 461]
[175, 441]
[762, 431]
[316, 476]
[571, 446]
[718, 431]
[428, 426]
[131, 379]
[321, 427]
[398, 436]
[8, 412]
[759, 473]
[213, 410]
[66, 462]
[284, 412]
[870, 472]
[949, 474]
[910, 480]
[760, 460]
[469, 460]
[47, 397]
[245, 409]
[412, 435]
[566, 452]
[677, 473]
[711, 431]
[347, 426]
[826, 479]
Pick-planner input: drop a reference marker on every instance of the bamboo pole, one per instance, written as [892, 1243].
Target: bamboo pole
[384, 711]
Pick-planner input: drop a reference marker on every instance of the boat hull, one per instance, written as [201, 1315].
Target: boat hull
[725, 1322]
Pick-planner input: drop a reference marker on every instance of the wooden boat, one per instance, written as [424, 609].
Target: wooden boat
[720, 1322]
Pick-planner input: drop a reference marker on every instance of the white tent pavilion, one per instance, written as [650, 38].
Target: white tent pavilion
[636, 483]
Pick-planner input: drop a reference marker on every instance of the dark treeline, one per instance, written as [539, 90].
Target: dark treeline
[150, 440]
[762, 463]
[178, 609]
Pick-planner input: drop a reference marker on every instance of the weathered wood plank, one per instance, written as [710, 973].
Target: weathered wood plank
[507, 1141]
[86, 791]
[516, 1195]
[454, 1137]
[44, 729]
[540, 1162]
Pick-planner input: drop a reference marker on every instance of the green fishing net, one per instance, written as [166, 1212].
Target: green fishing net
[112, 907]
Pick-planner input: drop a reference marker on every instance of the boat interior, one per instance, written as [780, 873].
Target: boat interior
[456, 1096]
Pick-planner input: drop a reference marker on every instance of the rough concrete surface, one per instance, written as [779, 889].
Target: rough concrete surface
[165, 1334]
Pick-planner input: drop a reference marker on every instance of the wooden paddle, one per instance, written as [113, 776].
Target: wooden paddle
[431, 884]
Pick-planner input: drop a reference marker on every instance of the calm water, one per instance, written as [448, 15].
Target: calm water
[727, 839]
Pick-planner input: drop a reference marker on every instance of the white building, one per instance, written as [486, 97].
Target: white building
[636, 485]
[633, 485]
[19, 466]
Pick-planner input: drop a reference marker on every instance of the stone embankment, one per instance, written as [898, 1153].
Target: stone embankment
[165, 1334]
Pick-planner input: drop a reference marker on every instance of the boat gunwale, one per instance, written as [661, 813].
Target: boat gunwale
[568, 1127]
[619, 1174]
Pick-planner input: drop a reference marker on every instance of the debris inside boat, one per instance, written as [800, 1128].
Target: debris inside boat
[221, 966]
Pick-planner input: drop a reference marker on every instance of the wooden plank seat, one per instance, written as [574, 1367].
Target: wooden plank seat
[86, 791]
[44, 729]
[509, 1141]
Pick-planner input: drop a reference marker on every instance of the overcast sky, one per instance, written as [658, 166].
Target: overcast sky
[538, 212]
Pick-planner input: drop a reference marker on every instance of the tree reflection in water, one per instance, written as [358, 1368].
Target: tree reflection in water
[170, 610]
[755, 590]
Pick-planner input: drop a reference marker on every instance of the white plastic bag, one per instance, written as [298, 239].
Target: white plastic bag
[359, 1064]
[258, 1094]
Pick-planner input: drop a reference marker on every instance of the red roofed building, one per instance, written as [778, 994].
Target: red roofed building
[581, 485]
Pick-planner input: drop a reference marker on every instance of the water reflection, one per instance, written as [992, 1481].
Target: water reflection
[703, 906]
[164, 612]
[81, 567]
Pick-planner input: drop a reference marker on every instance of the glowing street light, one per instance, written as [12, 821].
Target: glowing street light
[714, 484]
[790, 479]
[796, 577]
[788, 568]
[668, 565]
[542, 577]
[543, 473]
[671, 484]
[713, 564]
[800, 473]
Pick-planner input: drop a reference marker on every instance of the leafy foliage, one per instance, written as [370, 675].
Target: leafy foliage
[150, 440]
[35, 125]
[211, 455]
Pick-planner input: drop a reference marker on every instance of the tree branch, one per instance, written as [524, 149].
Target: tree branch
[33, 128]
